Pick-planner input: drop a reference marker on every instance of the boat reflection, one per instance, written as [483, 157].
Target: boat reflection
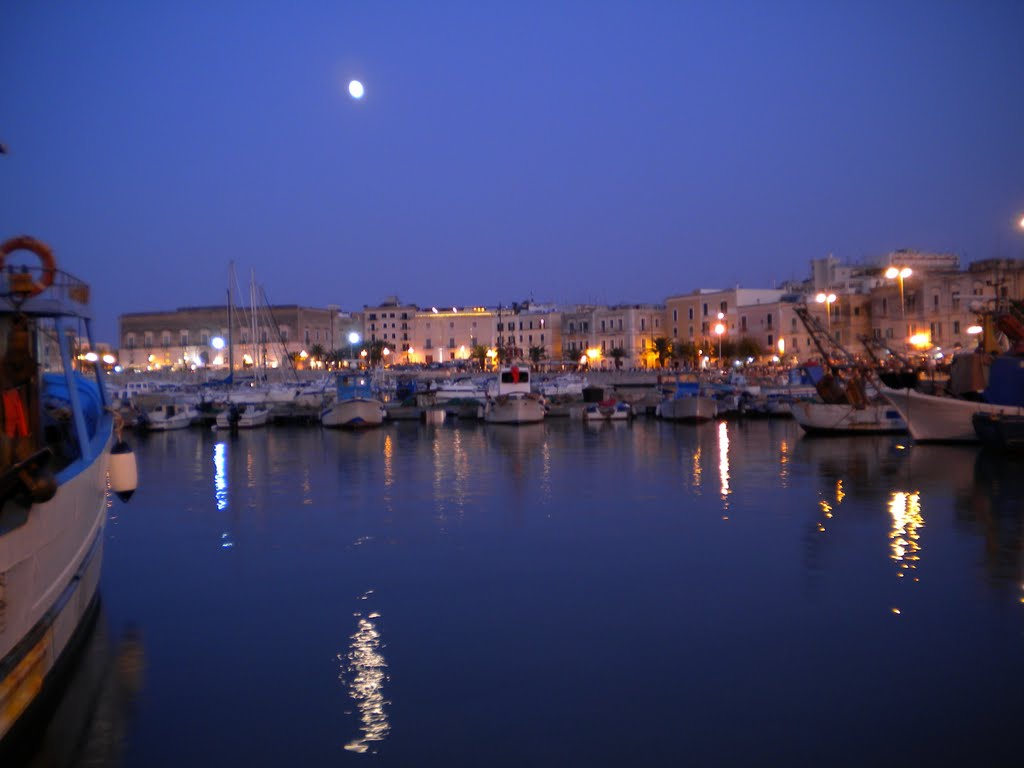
[994, 509]
[90, 723]
[363, 671]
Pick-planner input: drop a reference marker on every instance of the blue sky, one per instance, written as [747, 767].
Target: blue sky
[568, 151]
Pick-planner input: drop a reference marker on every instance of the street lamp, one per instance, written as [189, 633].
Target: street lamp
[901, 273]
[719, 330]
[353, 339]
[827, 300]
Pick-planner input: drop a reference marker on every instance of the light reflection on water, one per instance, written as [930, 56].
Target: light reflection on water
[529, 559]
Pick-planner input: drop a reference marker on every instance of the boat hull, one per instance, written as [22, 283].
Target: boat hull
[514, 410]
[844, 419]
[355, 413]
[693, 408]
[999, 430]
[934, 419]
[50, 566]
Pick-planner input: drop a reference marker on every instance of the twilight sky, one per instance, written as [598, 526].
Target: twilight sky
[569, 151]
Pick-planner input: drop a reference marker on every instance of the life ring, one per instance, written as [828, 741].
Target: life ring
[40, 249]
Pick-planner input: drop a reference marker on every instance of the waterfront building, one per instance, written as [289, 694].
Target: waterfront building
[390, 322]
[190, 337]
[439, 335]
[627, 330]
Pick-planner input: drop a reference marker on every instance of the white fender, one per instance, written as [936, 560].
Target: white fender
[123, 471]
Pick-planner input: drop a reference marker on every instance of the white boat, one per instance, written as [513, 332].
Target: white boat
[58, 448]
[607, 410]
[817, 418]
[979, 384]
[512, 401]
[687, 403]
[460, 389]
[243, 416]
[167, 416]
[935, 418]
[355, 406]
[564, 385]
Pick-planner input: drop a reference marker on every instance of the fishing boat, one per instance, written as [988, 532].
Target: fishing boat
[984, 384]
[355, 405]
[59, 449]
[512, 401]
[243, 416]
[874, 418]
[687, 403]
[167, 416]
[609, 409]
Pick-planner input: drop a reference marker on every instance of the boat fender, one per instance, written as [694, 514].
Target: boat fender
[22, 284]
[123, 470]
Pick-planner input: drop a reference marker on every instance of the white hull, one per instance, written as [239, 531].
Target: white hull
[823, 418]
[613, 412]
[158, 420]
[249, 417]
[690, 408]
[51, 568]
[354, 413]
[514, 409]
[942, 419]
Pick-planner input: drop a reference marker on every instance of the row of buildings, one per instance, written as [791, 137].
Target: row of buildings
[907, 298]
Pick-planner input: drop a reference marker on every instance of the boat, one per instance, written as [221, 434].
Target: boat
[566, 385]
[950, 417]
[243, 416]
[161, 418]
[687, 403]
[59, 449]
[999, 430]
[875, 418]
[465, 388]
[512, 402]
[355, 406]
[610, 409]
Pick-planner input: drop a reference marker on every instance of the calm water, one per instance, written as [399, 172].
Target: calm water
[645, 594]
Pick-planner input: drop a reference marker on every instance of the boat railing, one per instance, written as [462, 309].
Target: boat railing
[18, 283]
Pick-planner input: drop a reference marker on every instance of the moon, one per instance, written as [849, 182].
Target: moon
[356, 90]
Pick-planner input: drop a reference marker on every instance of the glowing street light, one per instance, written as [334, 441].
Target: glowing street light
[353, 339]
[719, 330]
[902, 273]
[827, 300]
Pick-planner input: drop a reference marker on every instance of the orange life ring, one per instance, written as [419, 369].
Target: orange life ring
[40, 249]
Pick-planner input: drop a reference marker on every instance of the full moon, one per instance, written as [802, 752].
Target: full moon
[355, 89]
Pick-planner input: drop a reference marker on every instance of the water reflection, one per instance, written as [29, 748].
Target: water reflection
[994, 509]
[220, 488]
[723, 463]
[904, 537]
[363, 671]
[90, 724]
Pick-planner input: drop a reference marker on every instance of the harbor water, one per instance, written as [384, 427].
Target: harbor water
[557, 594]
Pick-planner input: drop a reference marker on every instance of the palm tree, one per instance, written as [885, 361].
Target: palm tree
[616, 354]
[478, 352]
[537, 354]
[688, 352]
[317, 352]
[375, 352]
[662, 350]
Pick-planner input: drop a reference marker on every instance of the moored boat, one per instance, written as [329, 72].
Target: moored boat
[243, 416]
[161, 418]
[999, 430]
[607, 410]
[687, 403]
[59, 446]
[817, 418]
[355, 406]
[513, 403]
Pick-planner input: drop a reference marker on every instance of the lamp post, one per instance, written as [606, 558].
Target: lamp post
[353, 339]
[828, 300]
[900, 273]
[719, 330]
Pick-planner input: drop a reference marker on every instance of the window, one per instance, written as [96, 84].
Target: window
[451, 343]
[428, 344]
[956, 299]
[284, 334]
[705, 310]
[935, 301]
[956, 327]
[265, 336]
[165, 339]
[643, 323]
[675, 315]
[130, 341]
[691, 314]
[602, 326]
[149, 339]
[771, 342]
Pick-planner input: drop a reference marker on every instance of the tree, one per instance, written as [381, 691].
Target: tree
[748, 347]
[662, 350]
[616, 354]
[537, 354]
[478, 353]
[375, 352]
[317, 352]
[687, 351]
